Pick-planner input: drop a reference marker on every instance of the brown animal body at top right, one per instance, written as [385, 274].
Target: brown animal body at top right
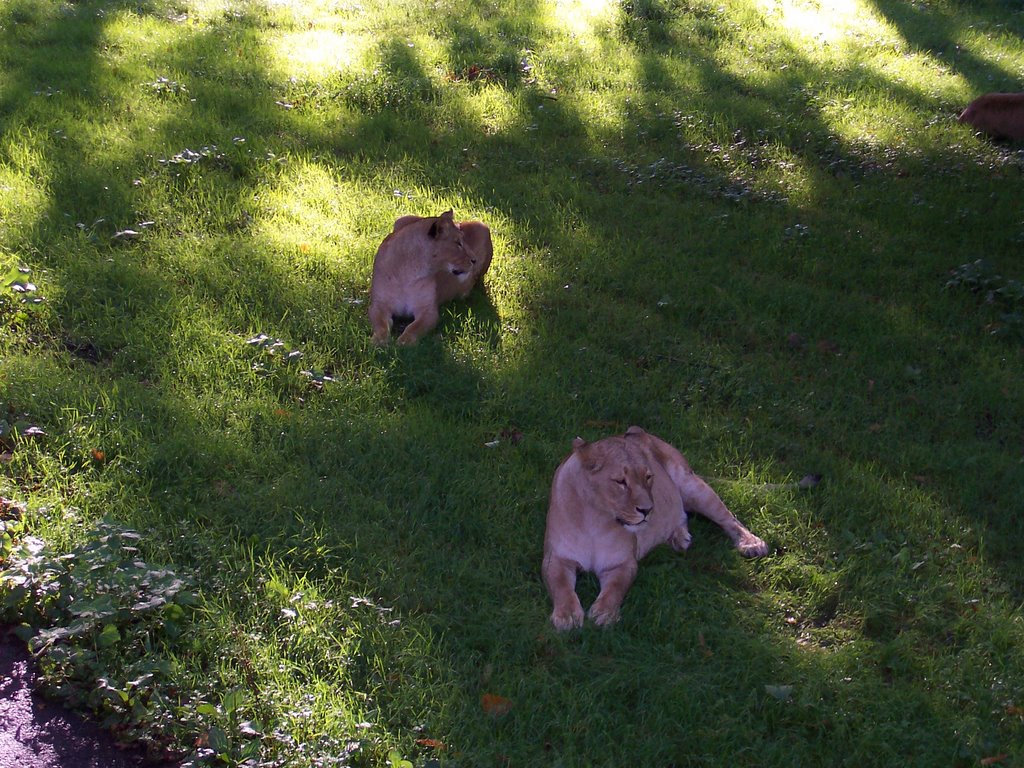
[998, 115]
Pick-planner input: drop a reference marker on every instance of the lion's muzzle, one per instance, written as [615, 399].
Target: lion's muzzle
[639, 519]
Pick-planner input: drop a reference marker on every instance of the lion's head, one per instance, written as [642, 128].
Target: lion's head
[447, 248]
[620, 477]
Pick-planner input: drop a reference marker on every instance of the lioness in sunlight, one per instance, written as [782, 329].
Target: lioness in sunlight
[424, 262]
[612, 502]
[999, 115]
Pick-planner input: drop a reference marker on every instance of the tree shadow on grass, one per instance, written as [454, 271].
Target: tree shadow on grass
[937, 30]
[426, 515]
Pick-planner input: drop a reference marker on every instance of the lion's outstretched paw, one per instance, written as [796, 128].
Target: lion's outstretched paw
[750, 545]
[567, 619]
[603, 616]
[680, 539]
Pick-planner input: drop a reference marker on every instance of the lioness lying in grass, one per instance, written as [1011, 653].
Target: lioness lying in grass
[612, 502]
[423, 263]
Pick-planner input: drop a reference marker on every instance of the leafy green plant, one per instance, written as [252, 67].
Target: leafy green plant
[82, 610]
[166, 88]
[395, 760]
[1005, 295]
[15, 428]
[278, 356]
[17, 297]
[12, 524]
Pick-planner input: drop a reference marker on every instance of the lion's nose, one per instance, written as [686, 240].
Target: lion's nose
[643, 511]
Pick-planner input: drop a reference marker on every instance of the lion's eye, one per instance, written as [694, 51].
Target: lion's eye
[621, 482]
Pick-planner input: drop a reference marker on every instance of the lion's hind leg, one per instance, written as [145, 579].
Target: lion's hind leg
[424, 321]
[699, 497]
[380, 321]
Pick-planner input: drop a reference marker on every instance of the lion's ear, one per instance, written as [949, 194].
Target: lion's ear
[441, 223]
[591, 458]
[635, 430]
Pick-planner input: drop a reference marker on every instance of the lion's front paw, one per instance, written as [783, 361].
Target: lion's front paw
[568, 619]
[680, 539]
[750, 545]
[603, 615]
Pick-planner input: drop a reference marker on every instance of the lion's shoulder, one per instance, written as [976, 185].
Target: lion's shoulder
[614, 493]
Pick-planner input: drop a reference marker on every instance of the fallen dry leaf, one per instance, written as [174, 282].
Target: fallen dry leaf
[513, 435]
[98, 455]
[432, 743]
[223, 488]
[708, 653]
[495, 705]
[10, 507]
[993, 760]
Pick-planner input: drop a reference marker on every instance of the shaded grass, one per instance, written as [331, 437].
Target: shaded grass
[728, 229]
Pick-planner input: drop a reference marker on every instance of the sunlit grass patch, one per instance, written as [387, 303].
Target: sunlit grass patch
[840, 24]
[580, 18]
[995, 48]
[24, 193]
[308, 211]
[732, 223]
[313, 54]
[866, 118]
[133, 40]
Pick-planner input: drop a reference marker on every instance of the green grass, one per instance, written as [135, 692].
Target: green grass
[749, 226]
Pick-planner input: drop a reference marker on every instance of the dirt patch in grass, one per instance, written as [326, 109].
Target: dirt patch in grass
[39, 734]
